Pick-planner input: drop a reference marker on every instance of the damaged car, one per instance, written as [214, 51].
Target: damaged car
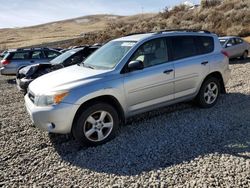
[27, 74]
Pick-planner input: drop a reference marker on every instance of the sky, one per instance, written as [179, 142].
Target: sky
[22, 13]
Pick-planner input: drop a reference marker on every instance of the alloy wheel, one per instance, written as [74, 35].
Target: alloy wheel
[98, 126]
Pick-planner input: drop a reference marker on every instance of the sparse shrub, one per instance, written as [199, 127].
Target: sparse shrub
[210, 3]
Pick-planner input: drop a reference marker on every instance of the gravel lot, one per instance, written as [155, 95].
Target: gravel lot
[177, 146]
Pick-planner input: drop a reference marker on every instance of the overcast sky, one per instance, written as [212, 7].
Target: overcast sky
[19, 13]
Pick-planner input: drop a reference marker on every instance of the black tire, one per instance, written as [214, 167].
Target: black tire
[201, 99]
[244, 55]
[81, 124]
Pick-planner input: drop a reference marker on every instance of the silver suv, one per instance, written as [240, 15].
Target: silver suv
[16, 59]
[125, 77]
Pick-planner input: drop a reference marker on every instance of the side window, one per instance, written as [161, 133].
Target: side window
[205, 44]
[20, 55]
[152, 53]
[51, 54]
[37, 55]
[183, 46]
[232, 42]
[76, 58]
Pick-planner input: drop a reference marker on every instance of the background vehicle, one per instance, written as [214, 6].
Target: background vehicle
[71, 57]
[16, 59]
[235, 46]
[128, 76]
[3, 54]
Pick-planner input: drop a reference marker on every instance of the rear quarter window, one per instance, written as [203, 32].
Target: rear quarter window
[205, 44]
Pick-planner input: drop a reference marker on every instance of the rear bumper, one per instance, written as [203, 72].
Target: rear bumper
[61, 116]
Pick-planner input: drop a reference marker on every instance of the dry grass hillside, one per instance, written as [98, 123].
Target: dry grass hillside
[224, 17]
[53, 31]
[57, 31]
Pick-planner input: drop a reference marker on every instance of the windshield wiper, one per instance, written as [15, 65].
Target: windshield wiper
[88, 66]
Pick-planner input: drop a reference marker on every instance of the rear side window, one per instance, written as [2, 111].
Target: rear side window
[20, 55]
[51, 54]
[183, 46]
[205, 44]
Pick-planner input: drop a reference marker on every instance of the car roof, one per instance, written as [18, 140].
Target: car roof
[228, 37]
[139, 37]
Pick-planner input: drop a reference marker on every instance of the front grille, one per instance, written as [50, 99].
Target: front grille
[31, 97]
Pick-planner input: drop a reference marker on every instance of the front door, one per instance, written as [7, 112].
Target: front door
[153, 84]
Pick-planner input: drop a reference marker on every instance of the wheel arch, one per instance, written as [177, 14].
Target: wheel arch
[219, 76]
[109, 99]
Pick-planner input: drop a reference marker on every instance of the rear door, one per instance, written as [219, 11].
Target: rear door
[154, 84]
[190, 55]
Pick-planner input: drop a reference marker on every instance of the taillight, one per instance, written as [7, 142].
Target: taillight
[5, 62]
[225, 53]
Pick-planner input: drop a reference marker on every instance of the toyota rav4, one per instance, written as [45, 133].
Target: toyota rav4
[128, 76]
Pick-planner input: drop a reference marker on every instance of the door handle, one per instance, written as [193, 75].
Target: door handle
[204, 63]
[32, 61]
[168, 71]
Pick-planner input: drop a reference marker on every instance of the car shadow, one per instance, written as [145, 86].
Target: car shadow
[239, 61]
[11, 81]
[166, 137]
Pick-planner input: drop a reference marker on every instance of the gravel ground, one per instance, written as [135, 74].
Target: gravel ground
[177, 146]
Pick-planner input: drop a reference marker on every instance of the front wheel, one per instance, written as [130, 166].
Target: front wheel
[245, 55]
[209, 93]
[96, 124]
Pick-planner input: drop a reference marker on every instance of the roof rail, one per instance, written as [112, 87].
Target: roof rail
[137, 33]
[182, 30]
[35, 48]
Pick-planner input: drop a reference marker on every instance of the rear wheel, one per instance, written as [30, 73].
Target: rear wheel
[245, 55]
[96, 124]
[209, 93]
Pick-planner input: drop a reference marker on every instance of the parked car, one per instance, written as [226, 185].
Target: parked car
[3, 54]
[19, 58]
[235, 46]
[125, 77]
[27, 74]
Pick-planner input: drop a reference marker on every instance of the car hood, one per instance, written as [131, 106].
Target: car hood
[65, 79]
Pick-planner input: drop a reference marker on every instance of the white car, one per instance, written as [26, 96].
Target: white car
[235, 46]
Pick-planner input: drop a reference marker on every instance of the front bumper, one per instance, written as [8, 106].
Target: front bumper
[61, 116]
[23, 83]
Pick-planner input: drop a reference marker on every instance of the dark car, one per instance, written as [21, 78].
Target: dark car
[16, 59]
[27, 74]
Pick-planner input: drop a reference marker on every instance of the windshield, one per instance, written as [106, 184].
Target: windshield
[61, 58]
[222, 41]
[108, 56]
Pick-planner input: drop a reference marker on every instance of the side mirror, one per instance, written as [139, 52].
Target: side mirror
[229, 45]
[135, 65]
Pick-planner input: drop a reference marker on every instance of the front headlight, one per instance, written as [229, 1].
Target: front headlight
[51, 99]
